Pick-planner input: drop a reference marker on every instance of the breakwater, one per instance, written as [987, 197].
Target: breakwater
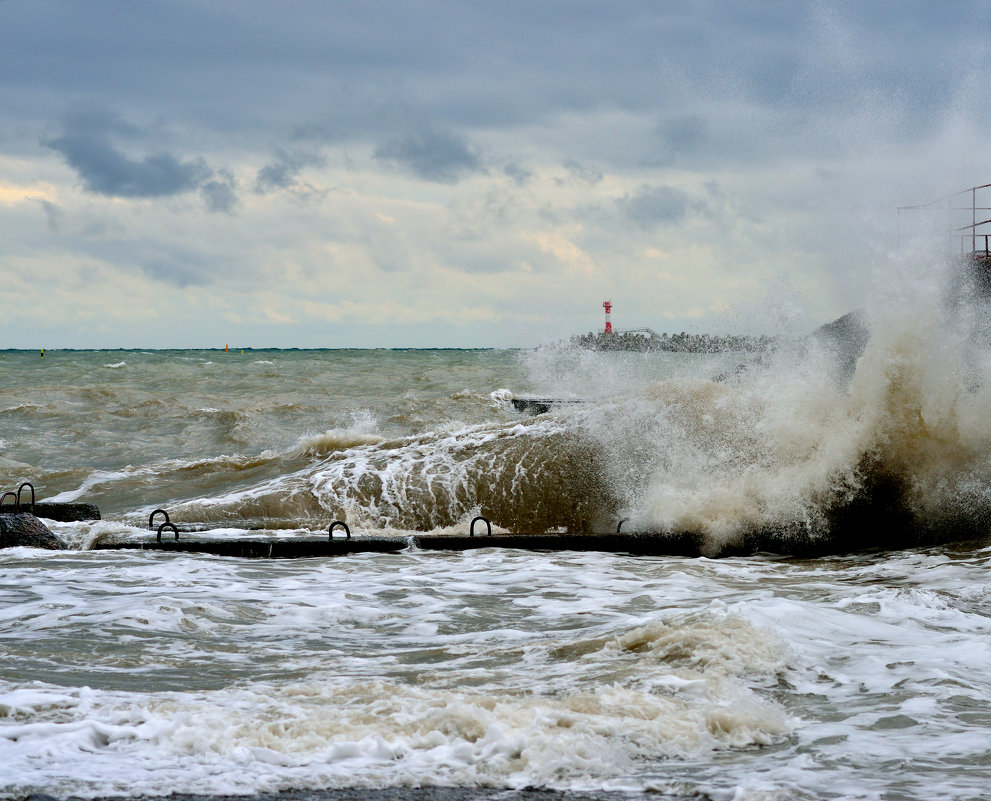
[644, 340]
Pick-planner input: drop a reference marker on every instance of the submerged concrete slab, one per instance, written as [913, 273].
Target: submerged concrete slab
[263, 548]
[64, 512]
[607, 543]
[287, 548]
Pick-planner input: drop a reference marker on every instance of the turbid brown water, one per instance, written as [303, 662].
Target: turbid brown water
[422, 674]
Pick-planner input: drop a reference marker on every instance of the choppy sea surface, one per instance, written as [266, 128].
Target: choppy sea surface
[855, 675]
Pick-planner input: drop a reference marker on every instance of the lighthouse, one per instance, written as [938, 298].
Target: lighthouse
[607, 305]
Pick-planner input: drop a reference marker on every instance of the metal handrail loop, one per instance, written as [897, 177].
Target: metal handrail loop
[20, 489]
[165, 526]
[488, 525]
[151, 518]
[343, 525]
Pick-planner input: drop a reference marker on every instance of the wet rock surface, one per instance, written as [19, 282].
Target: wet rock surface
[27, 531]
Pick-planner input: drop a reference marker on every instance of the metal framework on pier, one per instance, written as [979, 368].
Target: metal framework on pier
[968, 225]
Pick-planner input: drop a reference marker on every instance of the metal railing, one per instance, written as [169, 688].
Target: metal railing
[964, 231]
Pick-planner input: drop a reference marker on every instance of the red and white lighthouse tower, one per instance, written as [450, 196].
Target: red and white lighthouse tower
[607, 305]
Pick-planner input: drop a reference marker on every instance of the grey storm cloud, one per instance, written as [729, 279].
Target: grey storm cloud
[685, 134]
[87, 145]
[520, 175]
[651, 206]
[53, 214]
[283, 172]
[177, 274]
[432, 154]
[220, 193]
[177, 264]
[314, 132]
[338, 71]
[105, 170]
[582, 173]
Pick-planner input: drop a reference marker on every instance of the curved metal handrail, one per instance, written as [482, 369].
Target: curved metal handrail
[165, 526]
[471, 530]
[20, 489]
[17, 506]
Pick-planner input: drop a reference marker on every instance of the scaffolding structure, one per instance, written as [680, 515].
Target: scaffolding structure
[965, 232]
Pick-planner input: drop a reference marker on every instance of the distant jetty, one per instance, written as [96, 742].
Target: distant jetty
[642, 340]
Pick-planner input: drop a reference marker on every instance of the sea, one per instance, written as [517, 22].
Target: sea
[862, 672]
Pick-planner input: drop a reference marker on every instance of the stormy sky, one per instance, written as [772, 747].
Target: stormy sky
[430, 173]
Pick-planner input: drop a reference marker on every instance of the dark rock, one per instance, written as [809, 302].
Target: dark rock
[846, 337]
[849, 332]
[541, 405]
[26, 530]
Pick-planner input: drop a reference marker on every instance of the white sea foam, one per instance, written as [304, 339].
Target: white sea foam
[501, 397]
[504, 703]
[376, 733]
[897, 674]
[495, 668]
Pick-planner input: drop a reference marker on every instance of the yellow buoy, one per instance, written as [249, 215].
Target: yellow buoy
[42, 353]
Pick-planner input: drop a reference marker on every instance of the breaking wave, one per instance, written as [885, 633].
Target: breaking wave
[680, 688]
[790, 454]
[872, 432]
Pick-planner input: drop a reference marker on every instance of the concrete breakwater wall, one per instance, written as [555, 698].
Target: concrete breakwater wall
[641, 341]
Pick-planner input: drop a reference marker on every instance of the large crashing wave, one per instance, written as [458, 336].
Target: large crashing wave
[531, 475]
[874, 433]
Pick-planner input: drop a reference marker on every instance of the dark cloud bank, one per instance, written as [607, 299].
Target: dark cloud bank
[434, 155]
[87, 146]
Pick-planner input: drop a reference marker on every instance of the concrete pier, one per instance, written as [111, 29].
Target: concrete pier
[64, 512]
[286, 548]
[264, 548]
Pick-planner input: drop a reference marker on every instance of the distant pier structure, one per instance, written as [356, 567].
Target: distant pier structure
[964, 218]
[645, 339]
